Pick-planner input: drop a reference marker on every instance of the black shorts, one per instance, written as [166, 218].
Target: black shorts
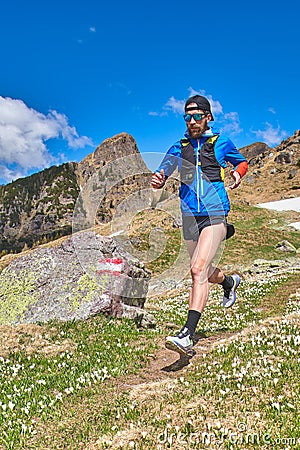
[193, 225]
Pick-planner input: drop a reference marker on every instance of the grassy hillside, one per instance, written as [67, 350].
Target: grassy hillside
[257, 233]
[104, 383]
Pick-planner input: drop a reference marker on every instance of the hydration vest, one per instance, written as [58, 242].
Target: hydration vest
[211, 169]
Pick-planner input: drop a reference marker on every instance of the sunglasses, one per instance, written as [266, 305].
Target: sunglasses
[198, 116]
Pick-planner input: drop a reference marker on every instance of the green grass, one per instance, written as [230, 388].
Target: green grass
[143, 224]
[254, 297]
[106, 409]
[35, 386]
[243, 393]
[87, 392]
[257, 234]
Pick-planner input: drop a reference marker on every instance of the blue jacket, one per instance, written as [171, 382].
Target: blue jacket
[202, 197]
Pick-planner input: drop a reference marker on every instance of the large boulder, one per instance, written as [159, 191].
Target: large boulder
[85, 275]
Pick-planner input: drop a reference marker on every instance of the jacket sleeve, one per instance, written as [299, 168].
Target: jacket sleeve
[227, 152]
[171, 160]
[242, 168]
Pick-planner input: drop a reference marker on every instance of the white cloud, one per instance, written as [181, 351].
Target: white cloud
[271, 135]
[84, 40]
[119, 86]
[174, 105]
[23, 134]
[9, 174]
[67, 132]
[158, 114]
[177, 106]
[230, 124]
[192, 92]
[272, 110]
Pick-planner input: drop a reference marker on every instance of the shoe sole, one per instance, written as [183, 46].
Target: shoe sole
[170, 345]
[234, 290]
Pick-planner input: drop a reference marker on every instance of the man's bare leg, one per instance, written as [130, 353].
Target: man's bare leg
[201, 264]
[215, 275]
[202, 254]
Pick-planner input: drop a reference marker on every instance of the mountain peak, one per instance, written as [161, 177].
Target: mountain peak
[111, 149]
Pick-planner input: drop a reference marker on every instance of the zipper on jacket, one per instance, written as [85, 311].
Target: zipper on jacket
[197, 175]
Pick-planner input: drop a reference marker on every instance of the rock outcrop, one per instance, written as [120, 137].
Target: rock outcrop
[254, 152]
[110, 176]
[85, 275]
[274, 173]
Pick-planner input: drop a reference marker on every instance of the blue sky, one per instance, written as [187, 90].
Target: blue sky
[73, 74]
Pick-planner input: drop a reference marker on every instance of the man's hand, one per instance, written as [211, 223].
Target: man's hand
[158, 179]
[237, 179]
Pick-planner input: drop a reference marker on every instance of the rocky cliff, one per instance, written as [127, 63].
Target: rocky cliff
[115, 172]
[274, 173]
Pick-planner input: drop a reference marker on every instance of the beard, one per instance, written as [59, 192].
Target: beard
[197, 129]
[195, 133]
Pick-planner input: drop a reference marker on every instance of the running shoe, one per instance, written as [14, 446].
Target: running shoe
[182, 344]
[229, 297]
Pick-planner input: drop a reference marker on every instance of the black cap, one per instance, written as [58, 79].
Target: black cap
[201, 102]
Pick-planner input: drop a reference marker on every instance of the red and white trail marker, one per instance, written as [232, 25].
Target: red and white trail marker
[110, 266]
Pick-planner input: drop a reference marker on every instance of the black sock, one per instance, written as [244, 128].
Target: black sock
[192, 322]
[227, 283]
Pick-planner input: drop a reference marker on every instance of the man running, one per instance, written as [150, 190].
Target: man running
[200, 158]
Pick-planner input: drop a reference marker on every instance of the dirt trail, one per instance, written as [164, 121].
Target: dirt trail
[167, 365]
